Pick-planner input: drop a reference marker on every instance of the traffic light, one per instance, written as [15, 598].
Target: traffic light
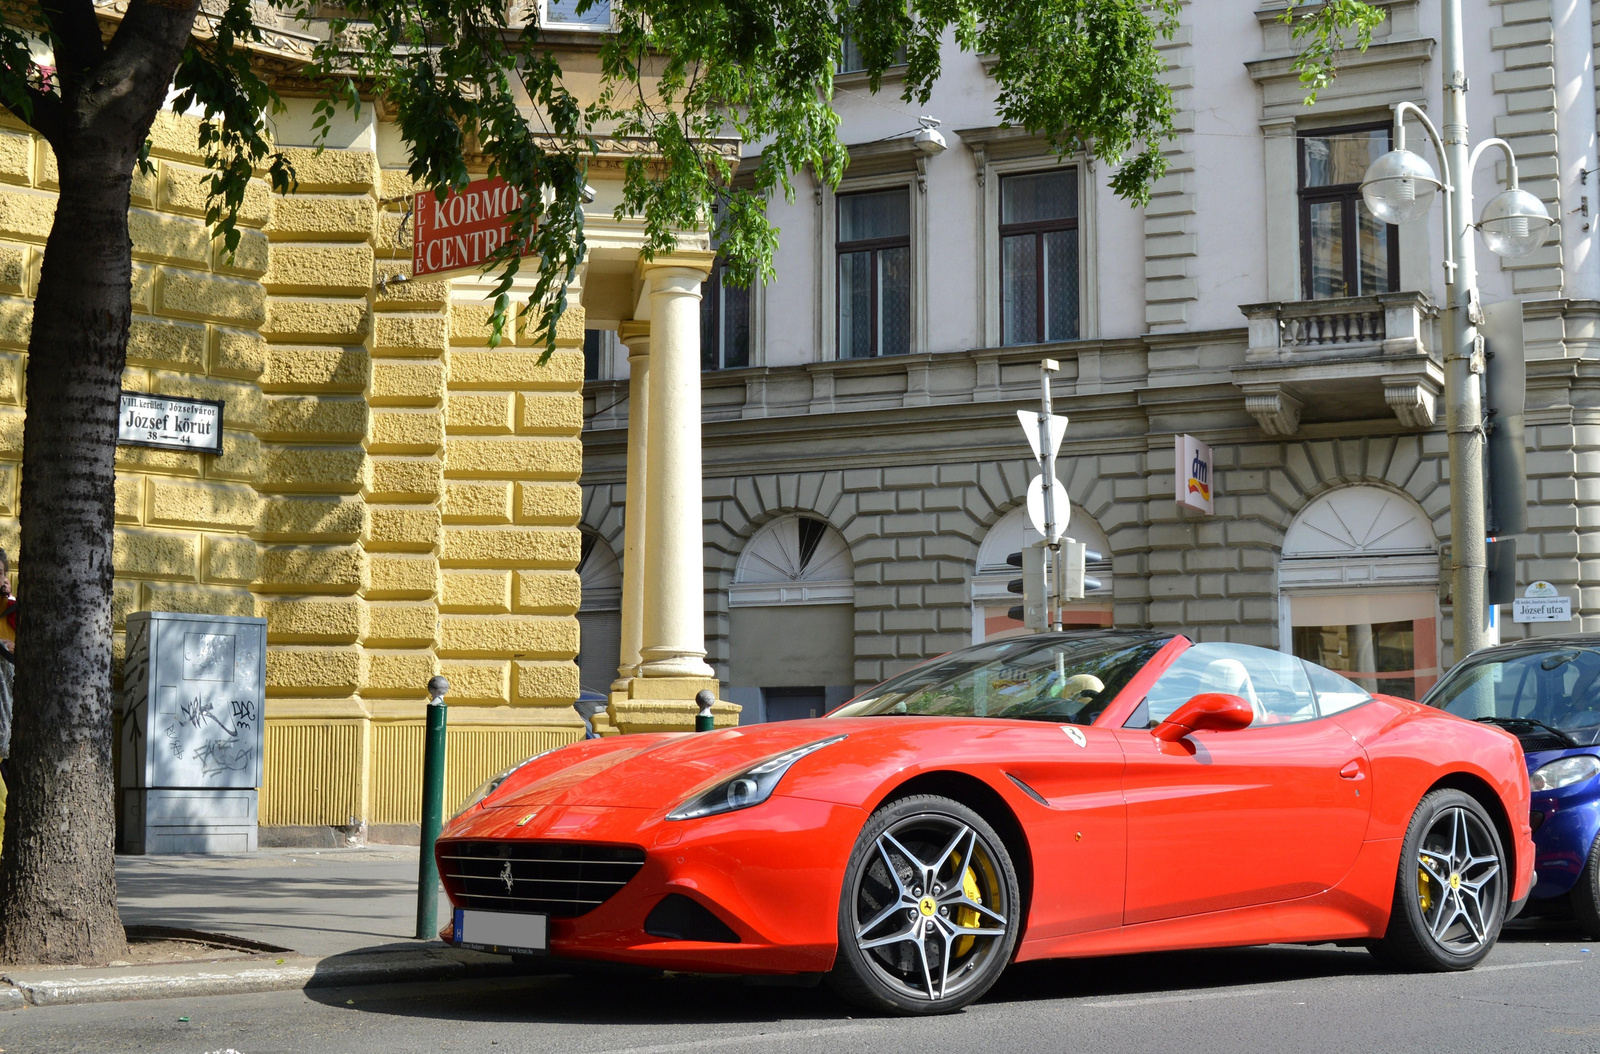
[1032, 586]
[1505, 398]
[1073, 581]
[1502, 585]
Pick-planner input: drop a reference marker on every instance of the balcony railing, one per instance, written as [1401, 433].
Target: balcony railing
[1391, 324]
[1360, 347]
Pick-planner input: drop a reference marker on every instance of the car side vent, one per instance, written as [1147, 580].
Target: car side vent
[677, 918]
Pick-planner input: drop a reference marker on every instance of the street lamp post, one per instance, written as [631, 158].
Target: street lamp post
[1399, 187]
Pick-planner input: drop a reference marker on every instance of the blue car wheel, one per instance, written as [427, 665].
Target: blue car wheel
[1586, 895]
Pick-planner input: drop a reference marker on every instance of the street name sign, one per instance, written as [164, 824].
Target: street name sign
[1542, 602]
[168, 422]
[461, 231]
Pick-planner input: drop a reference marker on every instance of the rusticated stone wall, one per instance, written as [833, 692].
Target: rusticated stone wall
[396, 498]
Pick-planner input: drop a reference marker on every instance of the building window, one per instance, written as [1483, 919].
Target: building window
[850, 60]
[565, 13]
[874, 251]
[724, 323]
[1039, 257]
[1344, 249]
[591, 354]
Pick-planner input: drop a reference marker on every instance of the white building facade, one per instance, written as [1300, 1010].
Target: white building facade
[864, 471]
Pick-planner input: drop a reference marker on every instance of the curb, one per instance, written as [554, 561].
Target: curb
[258, 974]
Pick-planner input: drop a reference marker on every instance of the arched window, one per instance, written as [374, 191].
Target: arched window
[991, 600]
[599, 614]
[791, 622]
[1359, 583]
[795, 560]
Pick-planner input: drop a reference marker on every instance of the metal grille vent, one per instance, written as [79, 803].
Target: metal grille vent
[563, 879]
[1532, 741]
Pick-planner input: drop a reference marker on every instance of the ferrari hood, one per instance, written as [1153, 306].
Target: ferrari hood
[652, 771]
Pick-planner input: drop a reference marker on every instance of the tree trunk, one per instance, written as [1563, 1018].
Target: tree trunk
[58, 889]
[58, 882]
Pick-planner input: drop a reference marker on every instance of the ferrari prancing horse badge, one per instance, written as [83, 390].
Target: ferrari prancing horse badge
[1076, 735]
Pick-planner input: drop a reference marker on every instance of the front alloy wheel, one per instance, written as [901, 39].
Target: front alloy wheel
[1450, 895]
[928, 915]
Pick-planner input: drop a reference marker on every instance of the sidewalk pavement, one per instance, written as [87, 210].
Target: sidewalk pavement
[315, 902]
[336, 917]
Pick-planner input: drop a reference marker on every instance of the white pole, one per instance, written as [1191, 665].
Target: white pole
[1047, 461]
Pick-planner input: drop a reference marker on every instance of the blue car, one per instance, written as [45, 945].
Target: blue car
[1546, 692]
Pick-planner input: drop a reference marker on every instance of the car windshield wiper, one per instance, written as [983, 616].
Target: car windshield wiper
[1531, 723]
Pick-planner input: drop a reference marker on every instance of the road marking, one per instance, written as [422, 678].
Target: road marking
[728, 1041]
[1529, 966]
[1191, 998]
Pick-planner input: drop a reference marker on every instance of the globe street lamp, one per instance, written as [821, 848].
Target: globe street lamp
[1399, 187]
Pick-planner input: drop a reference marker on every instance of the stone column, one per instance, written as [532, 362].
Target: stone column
[635, 336]
[673, 642]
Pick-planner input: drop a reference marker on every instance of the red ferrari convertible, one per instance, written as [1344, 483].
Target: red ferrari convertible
[1046, 796]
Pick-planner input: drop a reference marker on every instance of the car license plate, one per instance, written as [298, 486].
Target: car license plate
[502, 932]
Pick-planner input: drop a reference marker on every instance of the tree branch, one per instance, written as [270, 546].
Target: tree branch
[141, 59]
[76, 30]
[47, 117]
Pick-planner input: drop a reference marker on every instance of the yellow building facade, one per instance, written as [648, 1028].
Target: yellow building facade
[396, 498]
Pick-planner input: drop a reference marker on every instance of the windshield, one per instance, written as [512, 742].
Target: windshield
[1523, 690]
[1038, 678]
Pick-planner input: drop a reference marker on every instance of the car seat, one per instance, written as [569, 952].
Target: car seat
[1231, 677]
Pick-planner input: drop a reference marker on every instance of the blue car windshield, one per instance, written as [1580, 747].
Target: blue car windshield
[1556, 688]
[1037, 678]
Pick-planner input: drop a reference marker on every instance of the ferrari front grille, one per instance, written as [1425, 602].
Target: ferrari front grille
[563, 879]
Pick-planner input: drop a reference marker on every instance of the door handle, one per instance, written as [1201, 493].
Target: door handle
[1351, 770]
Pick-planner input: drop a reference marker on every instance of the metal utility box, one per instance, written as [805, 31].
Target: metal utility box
[193, 689]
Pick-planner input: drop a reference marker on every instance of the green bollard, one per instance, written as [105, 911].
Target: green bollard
[432, 811]
[703, 720]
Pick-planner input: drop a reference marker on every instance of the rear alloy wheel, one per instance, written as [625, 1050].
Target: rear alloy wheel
[1586, 895]
[1450, 895]
[929, 914]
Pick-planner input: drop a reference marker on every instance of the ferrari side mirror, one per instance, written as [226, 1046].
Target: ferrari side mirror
[1214, 710]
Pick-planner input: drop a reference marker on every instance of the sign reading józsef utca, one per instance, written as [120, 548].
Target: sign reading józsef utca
[1542, 602]
[170, 422]
[461, 231]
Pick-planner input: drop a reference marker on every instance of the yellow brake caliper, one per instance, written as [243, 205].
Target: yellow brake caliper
[966, 917]
[1424, 889]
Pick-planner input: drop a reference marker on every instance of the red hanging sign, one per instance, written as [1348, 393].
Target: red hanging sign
[460, 232]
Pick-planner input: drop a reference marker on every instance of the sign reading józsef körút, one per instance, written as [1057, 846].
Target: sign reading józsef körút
[170, 422]
[461, 231]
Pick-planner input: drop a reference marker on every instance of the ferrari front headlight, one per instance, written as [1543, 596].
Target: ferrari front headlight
[751, 787]
[1564, 772]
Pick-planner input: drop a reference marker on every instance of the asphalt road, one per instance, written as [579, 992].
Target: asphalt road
[1538, 991]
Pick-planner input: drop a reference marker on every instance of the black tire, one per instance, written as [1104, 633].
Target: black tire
[1585, 895]
[1449, 903]
[919, 959]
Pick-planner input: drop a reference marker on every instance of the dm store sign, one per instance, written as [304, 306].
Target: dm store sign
[1194, 476]
[170, 423]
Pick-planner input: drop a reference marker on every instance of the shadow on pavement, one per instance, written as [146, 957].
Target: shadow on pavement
[619, 998]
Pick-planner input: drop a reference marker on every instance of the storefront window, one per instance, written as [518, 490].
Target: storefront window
[1385, 642]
